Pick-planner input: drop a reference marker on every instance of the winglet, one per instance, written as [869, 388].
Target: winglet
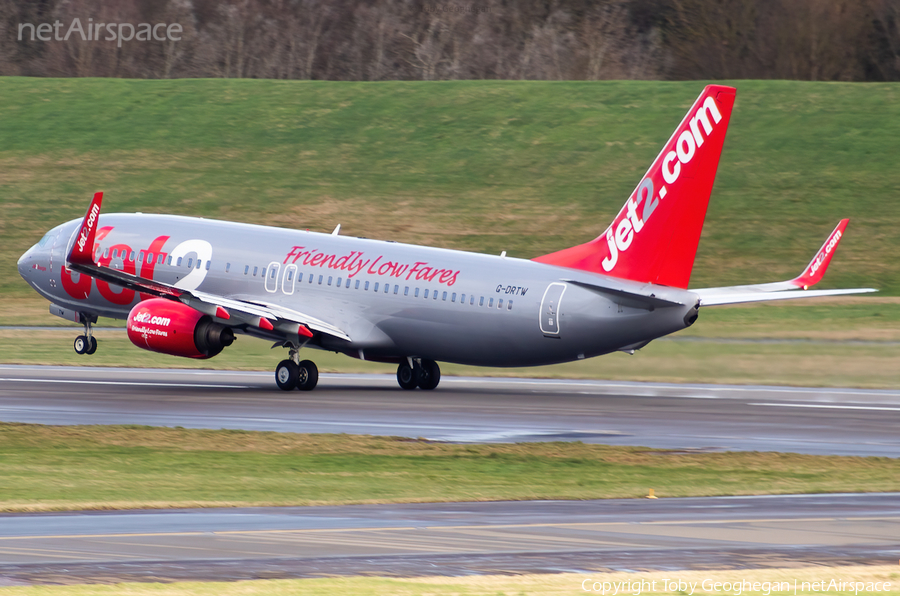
[815, 271]
[82, 252]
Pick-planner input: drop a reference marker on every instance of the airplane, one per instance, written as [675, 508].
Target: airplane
[188, 286]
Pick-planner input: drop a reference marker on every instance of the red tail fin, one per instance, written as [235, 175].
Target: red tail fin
[654, 237]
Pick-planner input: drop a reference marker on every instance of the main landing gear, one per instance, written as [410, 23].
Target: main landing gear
[296, 374]
[87, 343]
[421, 373]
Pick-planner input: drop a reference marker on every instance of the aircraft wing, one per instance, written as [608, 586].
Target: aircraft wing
[785, 290]
[269, 317]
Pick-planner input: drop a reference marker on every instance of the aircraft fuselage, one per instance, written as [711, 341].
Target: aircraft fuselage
[393, 300]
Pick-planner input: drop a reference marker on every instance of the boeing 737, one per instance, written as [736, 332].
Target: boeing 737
[188, 286]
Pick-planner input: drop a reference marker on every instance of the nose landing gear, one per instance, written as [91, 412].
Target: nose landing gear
[87, 343]
[418, 372]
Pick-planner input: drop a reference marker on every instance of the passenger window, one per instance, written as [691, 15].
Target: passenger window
[255, 270]
[426, 292]
[453, 297]
[445, 296]
[299, 277]
[169, 261]
[481, 301]
[330, 279]
[367, 286]
[179, 261]
[141, 257]
[348, 283]
[291, 275]
[500, 303]
[406, 291]
[462, 299]
[106, 252]
[356, 286]
[272, 272]
[131, 256]
[320, 280]
[435, 294]
[160, 259]
[339, 282]
[491, 303]
[246, 267]
[208, 265]
[227, 267]
[387, 288]
[472, 301]
[417, 293]
[509, 305]
[263, 273]
[149, 258]
[311, 276]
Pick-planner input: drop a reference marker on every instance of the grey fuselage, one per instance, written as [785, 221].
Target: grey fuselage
[480, 309]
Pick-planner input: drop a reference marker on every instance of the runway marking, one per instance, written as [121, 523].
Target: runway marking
[43, 552]
[460, 527]
[826, 406]
[129, 383]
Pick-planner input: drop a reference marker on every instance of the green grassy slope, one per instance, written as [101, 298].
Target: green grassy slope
[130, 467]
[527, 167]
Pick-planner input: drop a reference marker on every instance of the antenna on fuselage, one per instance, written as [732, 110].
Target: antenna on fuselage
[337, 230]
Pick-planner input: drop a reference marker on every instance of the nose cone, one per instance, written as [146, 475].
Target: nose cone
[25, 263]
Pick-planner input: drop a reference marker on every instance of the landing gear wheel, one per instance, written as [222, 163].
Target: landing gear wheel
[430, 375]
[407, 376]
[93, 346]
[309, 376]
[287, 373]
[82, 345]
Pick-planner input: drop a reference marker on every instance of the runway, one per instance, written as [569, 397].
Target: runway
[669, 416]
[450, 538]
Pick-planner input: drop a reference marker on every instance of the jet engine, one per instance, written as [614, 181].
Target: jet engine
[170, 327]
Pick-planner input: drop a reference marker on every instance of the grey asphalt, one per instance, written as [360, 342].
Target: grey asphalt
[461, 538]
[669, 416]
[450, 538]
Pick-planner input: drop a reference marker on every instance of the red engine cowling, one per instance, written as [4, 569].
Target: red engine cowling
[170, 327]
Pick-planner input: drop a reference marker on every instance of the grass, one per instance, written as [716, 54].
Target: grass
[504, 585]
[117, 467]
[527, 167]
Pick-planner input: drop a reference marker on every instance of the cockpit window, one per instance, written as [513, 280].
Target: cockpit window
[47, 238]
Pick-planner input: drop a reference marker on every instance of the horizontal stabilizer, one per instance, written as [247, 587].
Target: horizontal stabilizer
[737, 298]
[785, 290]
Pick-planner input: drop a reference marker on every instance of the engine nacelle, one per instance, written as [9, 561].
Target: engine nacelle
[170, 327]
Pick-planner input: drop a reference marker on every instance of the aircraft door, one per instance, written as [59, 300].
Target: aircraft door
[550, 309]
[272, 276]
[289, 279]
